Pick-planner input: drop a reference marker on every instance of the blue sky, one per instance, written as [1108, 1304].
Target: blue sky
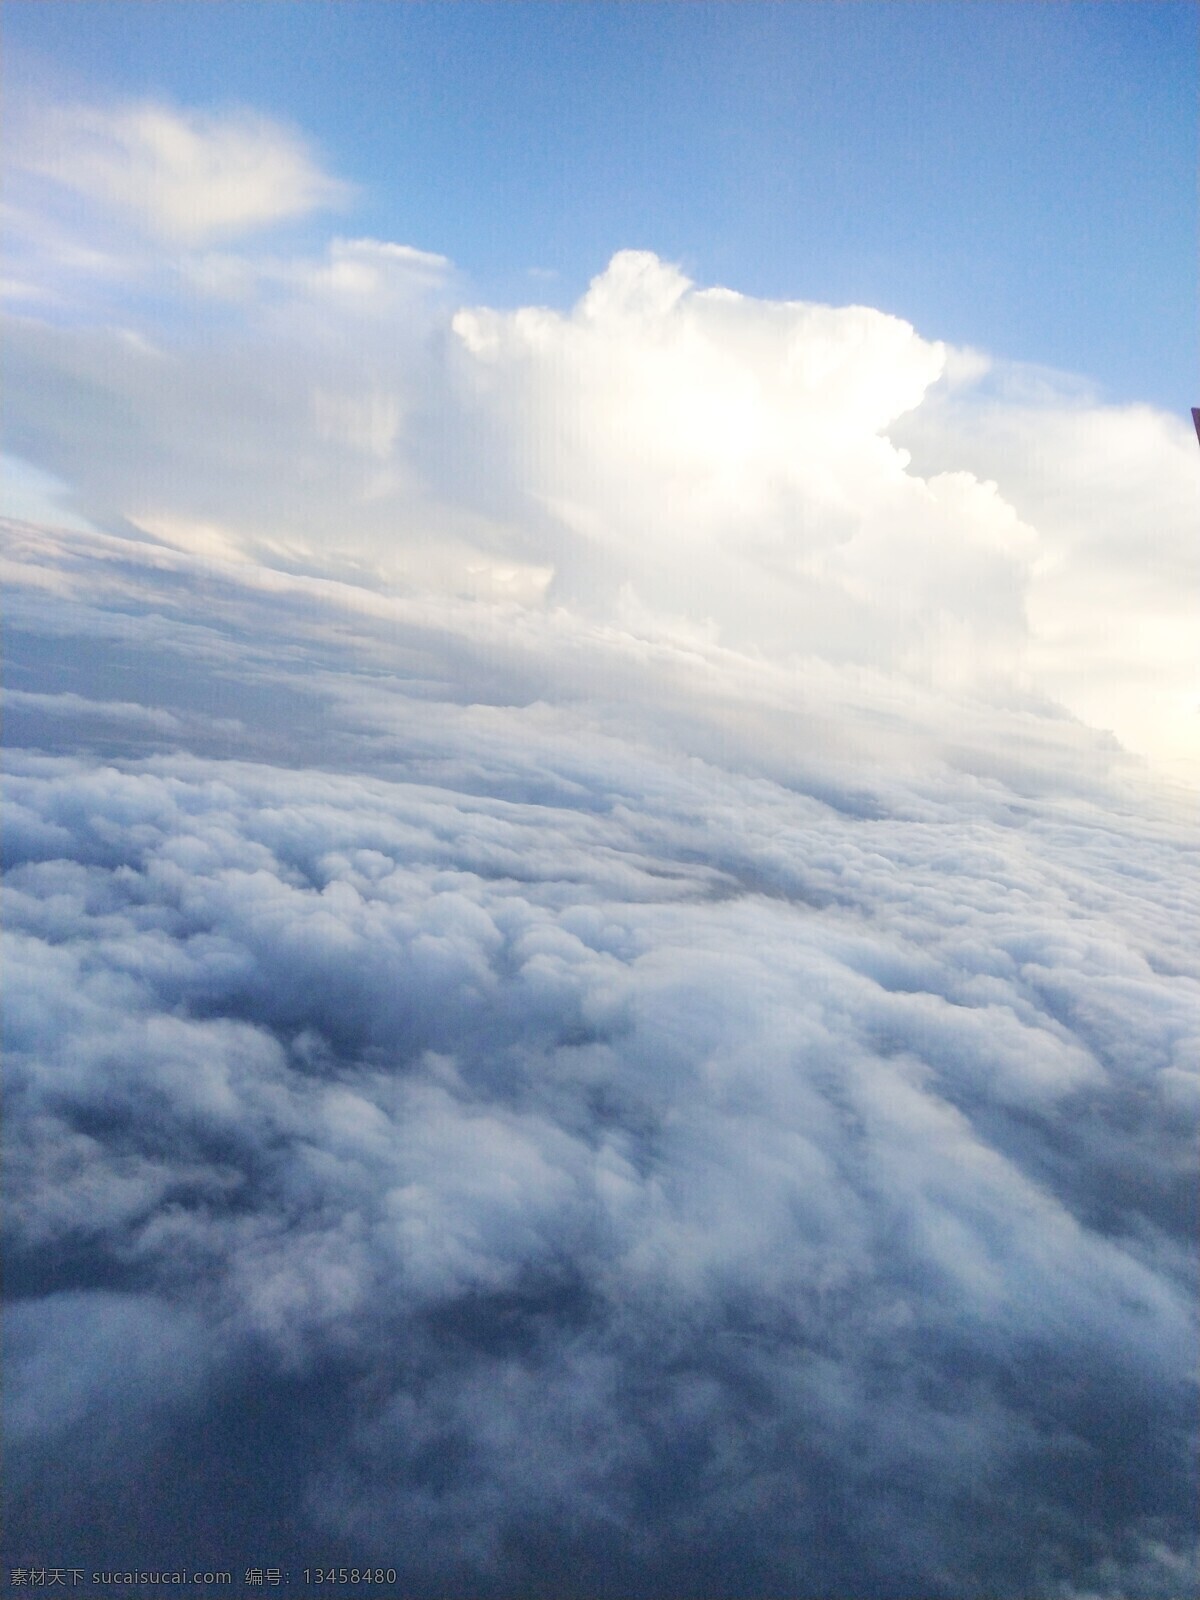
[1019, 178]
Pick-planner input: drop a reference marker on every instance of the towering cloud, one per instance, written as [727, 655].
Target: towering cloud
[721, 458]
[802, 480]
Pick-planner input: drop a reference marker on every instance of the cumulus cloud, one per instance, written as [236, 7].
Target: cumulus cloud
[182, 175]
[721, 458]
[1113, 492]
[518, 1125]
[592, 1003]
[806, 481]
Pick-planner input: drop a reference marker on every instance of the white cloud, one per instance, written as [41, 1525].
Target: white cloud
[185, 176]
[715, 452]
[800, 480]
[1114, 584]
[574, 998]
[508, 1027]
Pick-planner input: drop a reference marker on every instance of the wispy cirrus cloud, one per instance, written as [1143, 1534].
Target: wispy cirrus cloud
[182, 176]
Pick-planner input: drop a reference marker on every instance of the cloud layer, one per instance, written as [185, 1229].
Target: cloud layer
[543, 1123]
[593, 1006]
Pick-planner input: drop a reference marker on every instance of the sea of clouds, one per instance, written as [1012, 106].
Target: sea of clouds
[587, 1012]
